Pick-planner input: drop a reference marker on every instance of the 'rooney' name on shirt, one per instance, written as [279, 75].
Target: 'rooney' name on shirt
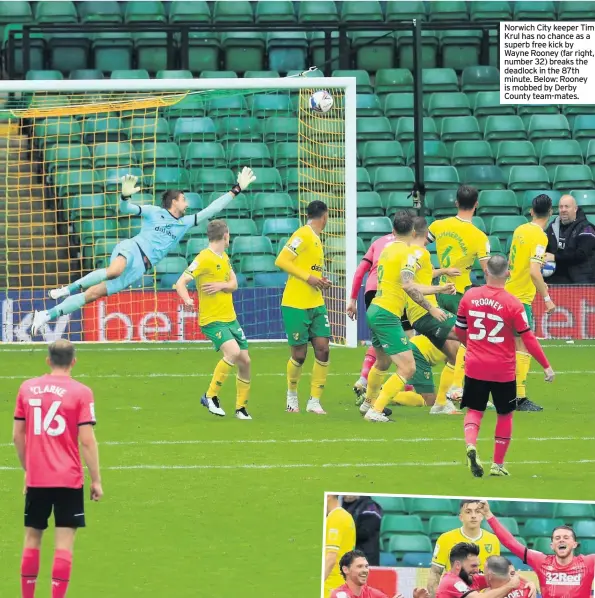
[491, 302]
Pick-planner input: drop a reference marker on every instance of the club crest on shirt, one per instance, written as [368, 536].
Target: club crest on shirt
[296, 336]
[427, 375]
[488, 548]
[404, 341]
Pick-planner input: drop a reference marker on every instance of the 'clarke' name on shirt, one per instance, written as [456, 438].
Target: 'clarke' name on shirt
[55, 390]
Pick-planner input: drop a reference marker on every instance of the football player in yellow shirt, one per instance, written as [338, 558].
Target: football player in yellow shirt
[396, 268]
[339, 539]
[458, 244]
[471, 517]
[304, 313]
[216, 281]
[527, 256]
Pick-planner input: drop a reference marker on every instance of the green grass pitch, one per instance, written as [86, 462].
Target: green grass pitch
[196, 504]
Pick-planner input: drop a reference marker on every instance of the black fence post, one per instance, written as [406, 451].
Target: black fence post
[418, 119]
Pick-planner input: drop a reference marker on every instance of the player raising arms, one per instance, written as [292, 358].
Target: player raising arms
[458, 243]
[488, 319]
[302, 307]
[53, 414]
[216, 281]
[527, 256]
[562, 574]
[162, 228]
[395, 282]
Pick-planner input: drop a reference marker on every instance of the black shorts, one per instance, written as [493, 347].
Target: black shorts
[477, 392]
[68, 505]
[369, 296]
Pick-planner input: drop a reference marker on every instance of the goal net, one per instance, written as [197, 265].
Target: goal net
[65, 146]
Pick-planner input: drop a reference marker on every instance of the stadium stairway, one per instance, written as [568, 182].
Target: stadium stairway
[34, 254]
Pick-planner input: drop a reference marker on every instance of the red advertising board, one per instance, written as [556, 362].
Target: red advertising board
[574, 317]
[140, 316]
[385, 579]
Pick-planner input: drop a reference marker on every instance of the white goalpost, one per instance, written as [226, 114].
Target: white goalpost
[65, 144]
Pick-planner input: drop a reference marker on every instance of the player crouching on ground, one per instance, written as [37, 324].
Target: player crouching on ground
[216, 281]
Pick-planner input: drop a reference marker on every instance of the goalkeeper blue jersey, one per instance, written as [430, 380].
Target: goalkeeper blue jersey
[160, 230]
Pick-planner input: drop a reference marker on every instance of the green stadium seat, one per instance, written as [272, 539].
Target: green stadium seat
[56, 12]
[160, 153]
[174, 74]
[106, 11]
[587, 546]
[483, 176]
[480, 78]
[585, 200]
[397, 10]
[188, 130]
[369, 204]
[528, 111]
[130, 74]
[401, 544]
[543, 545]
[241, 227]
[503, 227]
[363, 180]
[404, 129]
[399, 524]
[170, 265]
[487, 103]
[287, 50]
[435, 153]
[394, 178]
[479, 223]
[444, 203]
[243, 50]
[495, 245]
[362, 12]
[191, 106]
[575, 11]
[148, 129]
[527, 199]
[398, 104]
[67, 157]
[548, 126]
[279, 129]
[449, 104]
[91, 231]
[54, 131]
[195, 202]
[318, 11]
[439, 524]
[522, 178]
[77, 182]
[273, 205]
[203, 51]
[391, 504]
[151, 50]
[177, 250]
[261, 75]
[43, 75]
[544, 11]
[251, 264]
[382, 153]
[441, 177]
[248, 154]
[373, 227]
[225, 106]
[101, 130]
[145, 11]
[457, 128]
[267, 180]
[208, 180]
[429, 49]
[540, 526]
[368, 104]
[233, 12]
[449, 10]
[460, 48]
[277, 228]
[84, 74]
[102, 250]
[189, 12]
[583, 130]
[374, 50]
[113, 154]
[397, 201]
[285, 154]
[496, 202]
[238, 208]
[69, 53]
[362, 79]
[112, 50]
[267, 105]
[12, 13]
[195, 246]
[169, 177]
[496, 10]
[439, 80]
[578, 176]
[89, 206]
[415, 559]
[515, 152]
[374, 129]
[279, 11]
[393, 81]
[318, 50]
[502, 128]
[466, 153]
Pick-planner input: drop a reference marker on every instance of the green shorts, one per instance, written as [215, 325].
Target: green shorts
[302, 325]
[435, 330]
[387, 331]
[221, 332]
[449, 303]
[529, 314]
[422, 379]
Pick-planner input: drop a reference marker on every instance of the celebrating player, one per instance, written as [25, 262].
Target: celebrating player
[339, 539]
[355, 570]
[487, 321]
[53, 414]
[471, 517]
[216, 281]
[464, 579]
[458, 243]
[499, 571]
[304, 313]
[527, 256]
[562, 574]
[395, 281]
[162, 228]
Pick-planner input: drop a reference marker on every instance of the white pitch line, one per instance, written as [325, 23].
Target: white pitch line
[318, 441]
[315, 465]
[257, 375]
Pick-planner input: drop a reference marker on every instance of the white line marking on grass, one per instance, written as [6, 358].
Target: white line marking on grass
[317, 465]
[318, 441]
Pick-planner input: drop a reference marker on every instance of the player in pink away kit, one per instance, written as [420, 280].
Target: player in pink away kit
[53, 414]
[488, 319]
[464, 579]
[498, 572]
[562, 574]
[355, 569]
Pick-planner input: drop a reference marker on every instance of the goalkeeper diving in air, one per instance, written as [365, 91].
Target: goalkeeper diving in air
[162, 228]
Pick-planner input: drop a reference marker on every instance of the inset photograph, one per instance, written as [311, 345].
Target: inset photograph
[404, 546]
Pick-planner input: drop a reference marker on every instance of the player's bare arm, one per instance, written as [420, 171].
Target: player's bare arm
[541, 286]
[352, 309]
[330, 560]
[90, 454]
[416, 292]
[230, 286]
[420, 593]
[445, 272]
[285, 261]
[181, 287]
[19, 440]
[434, 579]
